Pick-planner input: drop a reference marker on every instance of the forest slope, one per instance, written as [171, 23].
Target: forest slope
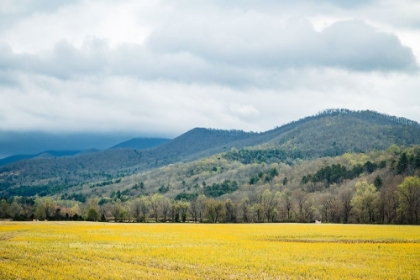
[377, 187]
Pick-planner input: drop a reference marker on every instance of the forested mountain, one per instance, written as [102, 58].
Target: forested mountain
[334, 132]
[141, 143]
[330, 133]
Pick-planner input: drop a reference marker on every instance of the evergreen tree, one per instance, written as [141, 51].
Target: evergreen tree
[402, 163]
[378, 182]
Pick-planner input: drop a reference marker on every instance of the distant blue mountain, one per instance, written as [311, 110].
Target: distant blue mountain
[29, 146]
[34, 143]
[14, 158]
[45, 154]
[141, 143]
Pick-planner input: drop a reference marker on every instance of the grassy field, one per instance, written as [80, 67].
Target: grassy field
[69, 250]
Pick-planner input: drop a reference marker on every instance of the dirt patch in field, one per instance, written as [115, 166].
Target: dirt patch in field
[6, 236]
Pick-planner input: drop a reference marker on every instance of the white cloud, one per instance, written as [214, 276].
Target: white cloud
[215, 58]
[114, 21]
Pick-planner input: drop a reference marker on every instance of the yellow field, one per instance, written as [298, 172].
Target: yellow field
[68, 250]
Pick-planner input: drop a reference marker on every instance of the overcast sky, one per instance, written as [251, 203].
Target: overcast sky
[163, 67]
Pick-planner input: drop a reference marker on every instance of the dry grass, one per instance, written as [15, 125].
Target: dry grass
[71, 250]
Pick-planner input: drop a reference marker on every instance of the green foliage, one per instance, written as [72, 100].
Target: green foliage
[268, 176]
[103, 200]
[417, 159]
[382, 164]
[116, 195]
[256, 156]
[330, 174]
[163, 189]
[370, 167]
[138, 186]
[253, 180]
[336, 173]
[102, 184]
[75, 196]
[378, 182]
[41, 190]
[4, 209]
[402, 163]
[216, 190]
[186, 196]
[125, 192]
[272, 173]
[93, 215]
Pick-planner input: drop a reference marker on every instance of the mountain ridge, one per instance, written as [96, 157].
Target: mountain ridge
[141, 143]
[329, 133]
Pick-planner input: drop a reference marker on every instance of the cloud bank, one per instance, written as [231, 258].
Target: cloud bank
[165, 67]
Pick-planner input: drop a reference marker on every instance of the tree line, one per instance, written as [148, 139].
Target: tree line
[361, 203]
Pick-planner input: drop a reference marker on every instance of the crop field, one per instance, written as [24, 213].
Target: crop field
[83, 250]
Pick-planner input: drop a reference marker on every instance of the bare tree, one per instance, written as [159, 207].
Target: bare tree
[287, 201]
[155, 205]
[136, 209]
[390, 198]
[193, 209]
[201, 205]
[326, 203]
[244, 206]
[166, 207]
[300, 197]
[230, 211]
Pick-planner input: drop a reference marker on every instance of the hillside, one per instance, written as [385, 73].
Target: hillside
[354, 187]
[191, 178]
[140, 143]
[330, 133]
